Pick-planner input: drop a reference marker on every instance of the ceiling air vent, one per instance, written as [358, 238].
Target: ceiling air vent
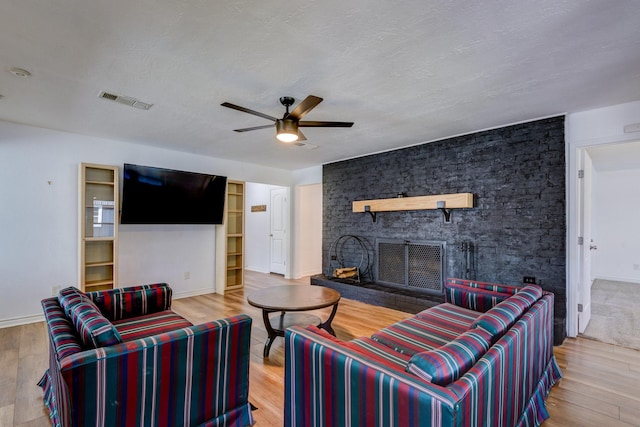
[126, 100]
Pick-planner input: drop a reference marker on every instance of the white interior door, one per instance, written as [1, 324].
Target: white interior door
[586, 189]
[278, 232]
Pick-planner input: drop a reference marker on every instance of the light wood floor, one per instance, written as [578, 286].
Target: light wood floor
[601, 384]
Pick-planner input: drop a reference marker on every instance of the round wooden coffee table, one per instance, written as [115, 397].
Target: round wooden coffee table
[293, 298]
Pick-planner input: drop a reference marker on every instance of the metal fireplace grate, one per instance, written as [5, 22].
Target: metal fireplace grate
[414, 265]
[391, 263]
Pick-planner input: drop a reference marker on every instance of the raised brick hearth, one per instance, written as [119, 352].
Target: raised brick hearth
[407, 300]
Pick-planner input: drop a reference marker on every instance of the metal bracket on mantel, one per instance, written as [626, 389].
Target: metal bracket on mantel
[367, 209]
[440, 204]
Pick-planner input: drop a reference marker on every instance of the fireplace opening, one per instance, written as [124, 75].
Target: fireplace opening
[411, 278]
[411, 265]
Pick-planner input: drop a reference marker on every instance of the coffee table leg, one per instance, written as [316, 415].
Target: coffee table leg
[326, 325]
[270, 332]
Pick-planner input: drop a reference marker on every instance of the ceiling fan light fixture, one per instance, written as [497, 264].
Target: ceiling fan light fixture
[287, 127]
[287, 130]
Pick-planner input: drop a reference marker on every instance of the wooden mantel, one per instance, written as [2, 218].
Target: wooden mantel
[451, 201]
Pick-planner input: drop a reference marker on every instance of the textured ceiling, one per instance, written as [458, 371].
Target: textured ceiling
[405, 72]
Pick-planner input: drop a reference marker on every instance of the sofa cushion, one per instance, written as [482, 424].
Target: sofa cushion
[427, 330]
[501, 317]
[380, 353]
[133, 301]
[68, 297]
[150, 324]
[64, 339]
[447, 363]
[93, 328]
[371, 350]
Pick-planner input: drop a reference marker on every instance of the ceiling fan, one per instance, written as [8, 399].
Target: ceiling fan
[287, 127]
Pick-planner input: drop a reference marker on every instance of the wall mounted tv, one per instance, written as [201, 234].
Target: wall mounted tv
[164, 196]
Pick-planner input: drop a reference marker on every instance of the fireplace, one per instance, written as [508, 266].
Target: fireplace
[399, 274]
[418, 266]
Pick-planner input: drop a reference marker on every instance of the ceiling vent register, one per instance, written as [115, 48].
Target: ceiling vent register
[125, 100]
[305, 145]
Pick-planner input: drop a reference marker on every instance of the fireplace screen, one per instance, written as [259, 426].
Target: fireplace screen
[415, 265]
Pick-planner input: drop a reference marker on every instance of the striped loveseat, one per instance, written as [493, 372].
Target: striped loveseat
[121, 357]
[482, 358]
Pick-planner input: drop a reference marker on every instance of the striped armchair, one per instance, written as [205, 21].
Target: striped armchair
[122, 358]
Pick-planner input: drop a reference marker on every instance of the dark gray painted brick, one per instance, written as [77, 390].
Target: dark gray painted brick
[518, 227]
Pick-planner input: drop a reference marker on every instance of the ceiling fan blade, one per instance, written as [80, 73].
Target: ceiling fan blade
[325, 124]
[246, 110]
[253, 128]
[309, 103]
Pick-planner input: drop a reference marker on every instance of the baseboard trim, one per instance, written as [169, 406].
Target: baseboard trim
[193, 293]
[22, 320]
[257, 270]
[618, 279]
[301, 274]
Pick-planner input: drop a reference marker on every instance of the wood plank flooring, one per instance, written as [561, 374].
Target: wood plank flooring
[601, 384]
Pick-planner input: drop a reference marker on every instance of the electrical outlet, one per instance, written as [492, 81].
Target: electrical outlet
[55, 290]
[187, 275]
[529, 280]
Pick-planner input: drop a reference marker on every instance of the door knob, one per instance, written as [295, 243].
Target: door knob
[593, 247]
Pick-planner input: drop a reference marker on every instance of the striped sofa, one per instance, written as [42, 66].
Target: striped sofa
[482, 358]
[121, 357]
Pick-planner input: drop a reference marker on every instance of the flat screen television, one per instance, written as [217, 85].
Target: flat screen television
[164, 196]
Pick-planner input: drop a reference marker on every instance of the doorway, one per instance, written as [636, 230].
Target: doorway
[607, 199]
[259, 211]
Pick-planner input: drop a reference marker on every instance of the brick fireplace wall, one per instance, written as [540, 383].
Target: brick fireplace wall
[517, 227]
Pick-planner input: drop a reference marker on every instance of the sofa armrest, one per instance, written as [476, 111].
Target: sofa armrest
[477, 296]
[495, 287]
[123, 303]
[328, 384]
[187, 376]
[510, 383]
[63, 337]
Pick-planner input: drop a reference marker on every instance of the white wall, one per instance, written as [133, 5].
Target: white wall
[164, 253]
[616, 225]
[39, 218]
[307, 176]
[308, 226]
[602, 125]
